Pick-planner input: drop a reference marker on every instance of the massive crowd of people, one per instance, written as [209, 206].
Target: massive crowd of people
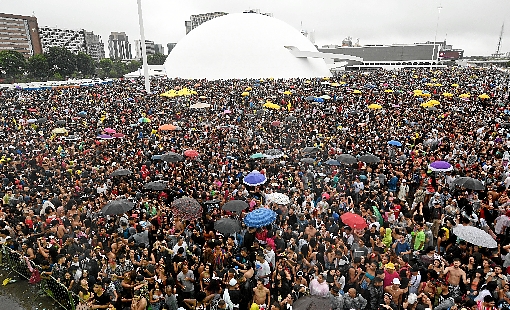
[57, 162]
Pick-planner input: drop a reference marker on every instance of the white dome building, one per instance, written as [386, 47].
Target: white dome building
[237, 46]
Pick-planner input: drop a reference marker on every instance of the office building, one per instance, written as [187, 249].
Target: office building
[20, 33]
[159, 49]
[197, 20]
[72, 40]
[149, 47]
[119, 46]
[94, 46]
[170, 47]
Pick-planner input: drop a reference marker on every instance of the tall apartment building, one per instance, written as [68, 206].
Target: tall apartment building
[159, 49]
[170, 47]
[94, 45]
[197, 20]
[20, 33]
[149, 47]
[73, 40]
[119, 46]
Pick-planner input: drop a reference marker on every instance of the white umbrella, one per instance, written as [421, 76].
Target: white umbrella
[278, 198]
[200, 105]
[475, 236]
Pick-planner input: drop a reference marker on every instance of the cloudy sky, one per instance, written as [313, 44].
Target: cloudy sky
[469, 24]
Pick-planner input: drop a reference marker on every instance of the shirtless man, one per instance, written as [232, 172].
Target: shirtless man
[395, 291]
[261, 294]
[456, 274]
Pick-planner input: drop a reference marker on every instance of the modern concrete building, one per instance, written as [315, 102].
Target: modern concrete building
[20, 33]
[159, 49]
[73, 40]
[119, 46]
[199, 19]
[149, 46]
[94, 46]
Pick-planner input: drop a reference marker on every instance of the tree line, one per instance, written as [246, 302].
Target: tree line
[59, 64]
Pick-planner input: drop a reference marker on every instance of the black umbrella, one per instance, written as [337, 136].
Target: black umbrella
[312, 303]
[155, 186]
[227, 226]
[172, 157]
[118, 206]
[42, 120]
[235, 206]
[60, 122]
[308, 160]
[346, 159]
[310, 150]
[469, 183]
[332, 162]
[310, 98]
[290, 118]
[369, 159]
[121, 172]
[233, 140]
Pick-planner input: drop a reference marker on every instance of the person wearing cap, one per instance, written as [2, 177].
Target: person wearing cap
[395, 291]
[390, 274]
[337, 300]
[232, 295]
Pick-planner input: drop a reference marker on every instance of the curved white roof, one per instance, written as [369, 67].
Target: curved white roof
[243, 45]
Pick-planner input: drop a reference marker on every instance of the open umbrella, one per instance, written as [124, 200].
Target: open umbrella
[309, 98]
[82, 114]
[375, 106]
[144, 120]
[118, 135]
[475, 236]
[308, 160]
[117, 206]
[332, 162]
[290, 118]
[105, 137]
[309, 150]
[155, 186]
[172, 157]
[469, 183]
[484, 96]
[395, 143]
[60, 122]
[200, 105]
[233, 140]
[42, 120]
[346, 159]
[191, 153]
[278, 198]
[167, 127]
[72, 138]
[227, 226]
[273, 153]
[257, 156]
[235, 206]
[276, 123]
[110, 130]
[59, 131]
[369, 159]
[121, 172]
[440, 166]
[260, 217]
[353, 220]
[311, 302]
[254, 178]
[187, 208]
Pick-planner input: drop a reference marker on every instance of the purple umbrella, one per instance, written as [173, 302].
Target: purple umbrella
[104, 137]
[440, 166]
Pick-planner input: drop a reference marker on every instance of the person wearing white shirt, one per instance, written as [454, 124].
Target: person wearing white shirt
[269, 255]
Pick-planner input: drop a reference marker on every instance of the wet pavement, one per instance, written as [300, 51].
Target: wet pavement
[22, 295]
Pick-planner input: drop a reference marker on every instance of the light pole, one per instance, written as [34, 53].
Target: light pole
[435, 37]
[144, 49]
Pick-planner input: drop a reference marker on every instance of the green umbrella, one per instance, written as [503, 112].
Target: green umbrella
[257, 156]
[378, 215]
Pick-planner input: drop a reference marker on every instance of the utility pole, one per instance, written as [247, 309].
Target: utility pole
[499, 42]
[435, 36]
[144, 49]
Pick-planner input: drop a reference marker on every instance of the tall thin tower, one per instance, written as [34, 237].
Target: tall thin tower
[499, 41]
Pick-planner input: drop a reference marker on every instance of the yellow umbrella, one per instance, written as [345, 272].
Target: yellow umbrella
[425, 95]
[308, 82]
[434, 80]
[335, 84]
[374, 106]
[455, 85]
[202, 97]
[484, 96]
[325, 78]
[433, 102]
[388, 90]
[287, 92]
[438, 84]
[59, 130]
[429, 84]
[356, 91]
[244, 94]
[271, 105]
[464, 96]
[343, 83]
[248, 88]
[447, 94]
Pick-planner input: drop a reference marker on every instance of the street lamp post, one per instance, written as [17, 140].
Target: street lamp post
[144, 49]
[435, 37]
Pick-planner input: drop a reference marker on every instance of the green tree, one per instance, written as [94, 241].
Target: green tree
[85, 64]
[38, 67]
[156, 59]
[12, 63]
[61, 61]
[133, 65]
[118, 69]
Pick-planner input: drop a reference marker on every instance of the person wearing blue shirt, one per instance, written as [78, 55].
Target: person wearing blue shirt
[401, 246]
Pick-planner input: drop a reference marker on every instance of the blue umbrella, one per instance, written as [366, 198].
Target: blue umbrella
[156, 157]
[318, 100]
[82, 114]
[394, 143]
[260, 217]
[332, 162]
[254, 178]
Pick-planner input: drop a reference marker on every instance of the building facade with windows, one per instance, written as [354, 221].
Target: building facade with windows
[20, 33]
[199, 19]
[119, 46]
[72, 40]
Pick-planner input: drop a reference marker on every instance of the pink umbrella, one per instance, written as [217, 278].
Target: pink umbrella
[118, 135]
[276, 123]
[227, 111]
[109, 130]
[191, 153]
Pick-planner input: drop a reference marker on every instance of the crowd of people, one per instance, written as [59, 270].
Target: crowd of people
[57, 162]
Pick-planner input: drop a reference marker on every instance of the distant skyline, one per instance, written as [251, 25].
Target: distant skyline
[468, 24]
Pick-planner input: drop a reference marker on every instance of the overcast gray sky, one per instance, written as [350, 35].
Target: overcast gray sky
[473, 25]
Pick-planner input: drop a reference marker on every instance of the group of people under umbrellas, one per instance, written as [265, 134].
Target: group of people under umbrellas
[379, 190]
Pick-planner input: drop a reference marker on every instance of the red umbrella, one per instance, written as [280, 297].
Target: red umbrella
[353, 220]
[276, 123]
[191, 153]
[118, 135]
[32, 110]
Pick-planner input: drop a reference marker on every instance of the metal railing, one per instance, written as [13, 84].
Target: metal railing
[48, 284]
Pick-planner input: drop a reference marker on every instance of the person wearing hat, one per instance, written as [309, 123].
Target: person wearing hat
[232, 295]
[337, 300]
[390, 274]
[395, 291]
